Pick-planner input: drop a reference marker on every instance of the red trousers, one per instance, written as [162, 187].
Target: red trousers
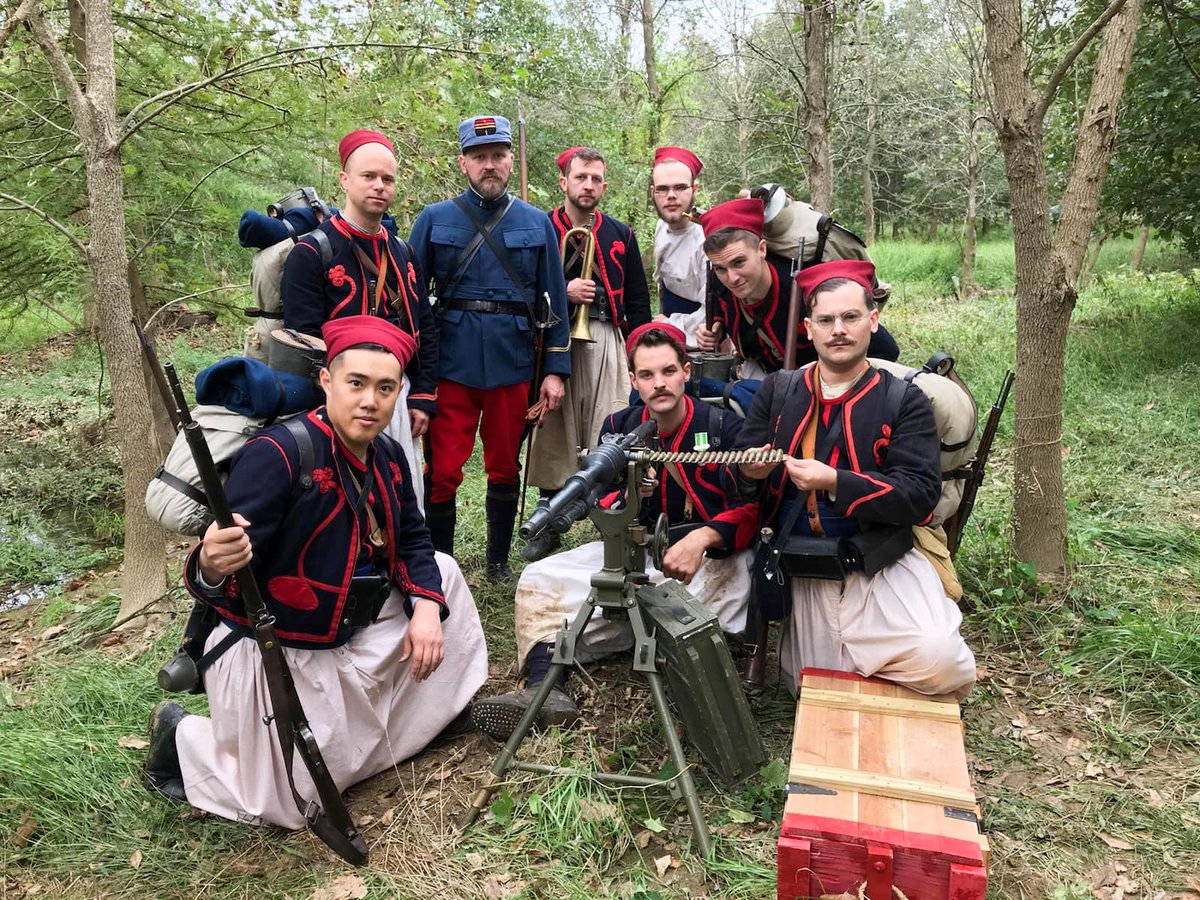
[452, 434]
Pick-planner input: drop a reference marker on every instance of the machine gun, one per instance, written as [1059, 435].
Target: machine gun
[671, 631]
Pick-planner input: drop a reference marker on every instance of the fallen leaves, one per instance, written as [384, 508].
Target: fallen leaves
[344, 887]
[135, 861]
[133, 742]
[1115, 843]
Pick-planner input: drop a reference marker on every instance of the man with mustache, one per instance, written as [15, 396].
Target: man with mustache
[370, 272]
[863, 470]
[617, 299]
[678, 241]
[381, 637]
[705, 520]
[494, 262]
[755, 289]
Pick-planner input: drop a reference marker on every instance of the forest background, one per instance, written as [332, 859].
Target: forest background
[891, 113]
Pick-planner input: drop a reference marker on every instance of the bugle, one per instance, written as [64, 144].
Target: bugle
[580, 329]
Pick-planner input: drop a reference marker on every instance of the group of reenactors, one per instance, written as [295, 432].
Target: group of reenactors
[464, 330]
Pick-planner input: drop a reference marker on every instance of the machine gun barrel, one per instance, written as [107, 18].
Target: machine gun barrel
[601, 467]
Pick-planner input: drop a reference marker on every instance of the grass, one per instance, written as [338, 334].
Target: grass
[1084, 724]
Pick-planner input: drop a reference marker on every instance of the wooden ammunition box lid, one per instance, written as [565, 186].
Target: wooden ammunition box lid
[874, 761]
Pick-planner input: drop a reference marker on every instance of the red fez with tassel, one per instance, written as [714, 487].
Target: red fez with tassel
[356, 139]
[860, 271]
[745, 214]
[342, 334]
[679, 154]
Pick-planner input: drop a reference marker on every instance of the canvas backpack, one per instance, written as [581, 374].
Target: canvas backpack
[266, 273]
[175, 497]
[955, 416]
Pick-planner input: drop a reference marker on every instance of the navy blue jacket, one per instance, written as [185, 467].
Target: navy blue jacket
[706, 495]
[488, 349]
[311, 297]
[888, 463]
[308, 543]
[618, 268]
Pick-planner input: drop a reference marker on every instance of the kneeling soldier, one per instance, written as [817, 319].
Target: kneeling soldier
[380, 672]
[863, 469]
[691, 495]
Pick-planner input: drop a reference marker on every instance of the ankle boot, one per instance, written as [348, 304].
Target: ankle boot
[501, 509]
[440, 518]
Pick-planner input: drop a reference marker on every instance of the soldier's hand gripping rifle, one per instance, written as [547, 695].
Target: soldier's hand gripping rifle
[328, 818]
[977, 468]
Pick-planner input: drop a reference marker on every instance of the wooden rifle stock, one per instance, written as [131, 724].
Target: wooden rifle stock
[793, 321]
[329, 819]
[977, 468]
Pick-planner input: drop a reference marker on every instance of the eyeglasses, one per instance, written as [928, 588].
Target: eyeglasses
[662, 190]
[850, 318]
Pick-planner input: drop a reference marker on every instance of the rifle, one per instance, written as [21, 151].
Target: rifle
[974, 471]
[543, 322]
[332, 824]
[522, 162]
[793, 319]
[156, 371]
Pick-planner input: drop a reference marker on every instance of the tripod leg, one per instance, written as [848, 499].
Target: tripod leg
[645, 661]
[687, 786]
[564, 656]
[484, 795]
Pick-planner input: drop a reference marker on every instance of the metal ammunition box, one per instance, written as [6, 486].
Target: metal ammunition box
[702, 682]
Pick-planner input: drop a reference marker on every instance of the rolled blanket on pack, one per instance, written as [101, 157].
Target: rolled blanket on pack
[259, 231]
[251, 388]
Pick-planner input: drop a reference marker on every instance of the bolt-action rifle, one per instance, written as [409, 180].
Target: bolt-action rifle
[977, 468]
[327, 817]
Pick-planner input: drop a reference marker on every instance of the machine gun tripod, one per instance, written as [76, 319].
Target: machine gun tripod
[621, 588]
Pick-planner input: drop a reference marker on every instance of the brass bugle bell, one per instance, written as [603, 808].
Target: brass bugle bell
[581, 330]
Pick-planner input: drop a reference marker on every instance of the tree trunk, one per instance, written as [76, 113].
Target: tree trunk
[818, 27]
[652, 88]
[1089, 261]
[624, 18]
[78, 20]
[895, 229]
[1045, 271]
[966, 278]
[1139, 248]
[868, 179]
[94, 114]
[933, 232]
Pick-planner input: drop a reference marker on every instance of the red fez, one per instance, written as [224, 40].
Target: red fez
[675, 335]
[679, 154]
[356, 139]
[861, 271]
[342, 334]
[746, 214]
[564, 158]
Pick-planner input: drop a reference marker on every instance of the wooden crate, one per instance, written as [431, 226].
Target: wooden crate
[878, 794]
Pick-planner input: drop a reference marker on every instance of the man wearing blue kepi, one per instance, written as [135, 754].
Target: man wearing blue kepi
[495, 265]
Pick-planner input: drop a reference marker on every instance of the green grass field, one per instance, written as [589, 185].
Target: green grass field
[1083, 735]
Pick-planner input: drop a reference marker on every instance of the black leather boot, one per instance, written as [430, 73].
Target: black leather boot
[441, 518]
[160, 771]
[501, 508]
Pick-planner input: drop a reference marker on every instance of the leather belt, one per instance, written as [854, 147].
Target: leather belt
[512, 308]
[600, 309]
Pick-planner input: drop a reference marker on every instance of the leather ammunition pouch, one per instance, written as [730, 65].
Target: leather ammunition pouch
[868, 552]
[600, 309]
[364, 600]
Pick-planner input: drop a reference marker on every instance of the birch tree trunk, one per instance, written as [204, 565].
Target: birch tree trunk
[1139, 248]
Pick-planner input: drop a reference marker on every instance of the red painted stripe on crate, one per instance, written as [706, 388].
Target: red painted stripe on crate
[954, 850]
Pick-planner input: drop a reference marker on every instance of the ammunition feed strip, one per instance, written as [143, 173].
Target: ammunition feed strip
[707, 457]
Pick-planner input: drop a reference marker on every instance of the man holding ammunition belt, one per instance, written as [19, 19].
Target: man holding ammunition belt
[705, 519]
[608, 294]
[382, 638]
[754, 294]
[500, 297]
[863, 469]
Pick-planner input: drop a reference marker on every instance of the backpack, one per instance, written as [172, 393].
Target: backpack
[955, 416]
[175, 498]
[266, 273]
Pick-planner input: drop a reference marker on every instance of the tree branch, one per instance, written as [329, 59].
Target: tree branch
[23, 12]
[50, 220]
[1178, 43]
[1078, 47]
[60, 66]
[150, 240]
[257, 64]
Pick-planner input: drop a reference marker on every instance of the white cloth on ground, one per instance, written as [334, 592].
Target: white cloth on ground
[554, 589]
[898, 624]
[400, 430]
[597, 388]
[365, 712]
